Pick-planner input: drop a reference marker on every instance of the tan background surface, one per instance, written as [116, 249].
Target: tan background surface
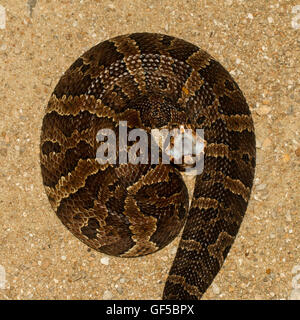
[255, 40]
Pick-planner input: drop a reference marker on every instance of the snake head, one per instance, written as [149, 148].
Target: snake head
[182, 146]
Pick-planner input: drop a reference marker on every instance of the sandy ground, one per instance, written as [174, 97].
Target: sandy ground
[257, 41]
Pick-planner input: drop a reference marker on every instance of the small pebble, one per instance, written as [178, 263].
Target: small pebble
[119, 289]
[290, 110]
[258, 144]
[266, 143]
[288, 217]
[3, 152]
[266, 102]
[261, 187]
[295, 294]
[173, 250]
[286, 158]
[230, 289]
[295, 282]
[107, 295]
[297, 152]
[45, 263]
[296, 269]
[47, 82]
[111, 6]
[263, 110]
[215, 289]
[105, 261]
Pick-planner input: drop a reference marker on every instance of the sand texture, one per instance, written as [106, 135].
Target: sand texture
[257, 41]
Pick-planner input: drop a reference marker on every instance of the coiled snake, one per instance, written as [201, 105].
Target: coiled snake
[126, 209]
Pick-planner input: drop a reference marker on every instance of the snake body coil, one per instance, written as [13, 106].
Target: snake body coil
[150, 81]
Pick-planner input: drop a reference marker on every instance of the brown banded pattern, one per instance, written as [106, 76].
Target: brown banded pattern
[151, 81]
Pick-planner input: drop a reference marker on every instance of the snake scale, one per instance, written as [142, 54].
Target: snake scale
[128, 210]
